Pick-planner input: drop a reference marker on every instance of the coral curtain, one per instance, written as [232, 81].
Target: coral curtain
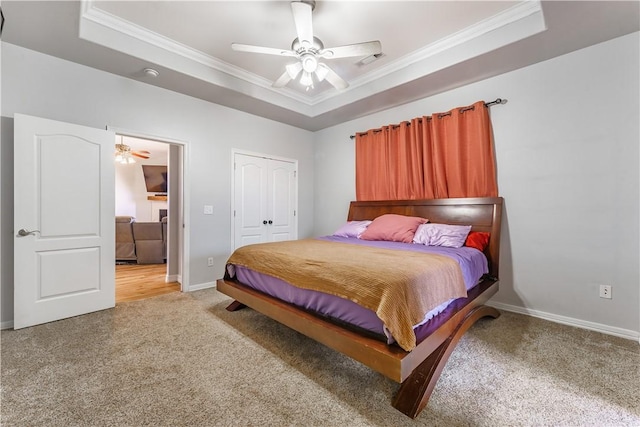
[440, 156]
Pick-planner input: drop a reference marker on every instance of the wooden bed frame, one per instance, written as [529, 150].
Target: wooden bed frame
[417, 371]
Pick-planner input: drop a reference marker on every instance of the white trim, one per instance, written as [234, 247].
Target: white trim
[103, 28]
[6, 325]
[184, 273]
[569, 321]
[465, 36]
[509, 26]
[201, 286]
[108, 20]
[172, 278]
[235, 151]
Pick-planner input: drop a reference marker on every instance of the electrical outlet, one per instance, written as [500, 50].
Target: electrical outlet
[208, 210]
[605, 291]
[210, 261]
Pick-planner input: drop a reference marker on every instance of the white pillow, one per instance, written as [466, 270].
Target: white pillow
[452, 236]
[352, 229]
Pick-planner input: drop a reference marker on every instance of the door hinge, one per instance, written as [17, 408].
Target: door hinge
[294, 212]
[234, 212]
[295, 174]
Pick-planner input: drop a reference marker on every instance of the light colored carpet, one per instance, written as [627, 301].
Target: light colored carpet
[183, 360]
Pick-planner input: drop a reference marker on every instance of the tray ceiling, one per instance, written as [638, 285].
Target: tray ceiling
[428, 46]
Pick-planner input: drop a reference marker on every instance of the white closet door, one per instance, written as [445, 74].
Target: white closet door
[282, 201]
[250, 200]
[265, 200]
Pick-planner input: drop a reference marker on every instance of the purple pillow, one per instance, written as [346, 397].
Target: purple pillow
[452, 236]
[352, 229]
[393, 228]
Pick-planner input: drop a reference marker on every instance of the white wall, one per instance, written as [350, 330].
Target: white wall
[568, 169]
[44, 86]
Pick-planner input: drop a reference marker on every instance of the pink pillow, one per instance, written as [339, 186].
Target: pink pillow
[393, 228]
[352, 229]
[452, 236]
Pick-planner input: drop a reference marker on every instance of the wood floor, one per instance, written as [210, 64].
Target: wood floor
[135, 282]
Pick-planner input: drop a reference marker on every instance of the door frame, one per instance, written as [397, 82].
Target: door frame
[235, 151]
[184, 231]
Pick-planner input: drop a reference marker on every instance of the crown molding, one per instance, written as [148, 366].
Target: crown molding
[514, 24]
[106, 29]
[497, 22]
[504, 24]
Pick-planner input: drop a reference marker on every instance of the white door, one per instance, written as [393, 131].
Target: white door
[281, 201]
[250, 200]
[265, 200]
[63, 220]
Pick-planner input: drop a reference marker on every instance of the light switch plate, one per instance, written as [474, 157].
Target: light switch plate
[208, 210]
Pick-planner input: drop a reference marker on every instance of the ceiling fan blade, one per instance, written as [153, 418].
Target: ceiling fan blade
[239, 47]
[331, 76]
[358, 49]
[294, 69]
[302, 19]
[290, 73]
[282, 80]
[142, 156]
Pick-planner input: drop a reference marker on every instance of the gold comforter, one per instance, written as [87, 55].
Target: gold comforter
[399, 286]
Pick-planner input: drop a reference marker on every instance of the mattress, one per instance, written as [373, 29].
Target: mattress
[473, 265]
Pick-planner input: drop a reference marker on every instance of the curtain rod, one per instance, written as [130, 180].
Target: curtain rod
[486, 104]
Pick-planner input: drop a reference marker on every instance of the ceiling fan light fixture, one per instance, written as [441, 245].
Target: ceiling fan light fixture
[309, 63]
[293, 70]
[306, 79]
[123, 154]
[309, 49]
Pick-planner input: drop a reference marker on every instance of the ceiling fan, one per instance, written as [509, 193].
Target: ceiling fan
[309, 50]
[124, 153]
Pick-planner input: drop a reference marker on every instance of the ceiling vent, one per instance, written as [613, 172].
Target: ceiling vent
[369, 59]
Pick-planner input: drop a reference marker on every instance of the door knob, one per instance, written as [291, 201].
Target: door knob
[24, 232]
[264, 222]
[270, 222]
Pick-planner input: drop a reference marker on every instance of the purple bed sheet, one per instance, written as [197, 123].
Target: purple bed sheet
[473, 264]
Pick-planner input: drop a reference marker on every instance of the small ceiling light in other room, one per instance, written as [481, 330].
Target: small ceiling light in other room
[123, 154]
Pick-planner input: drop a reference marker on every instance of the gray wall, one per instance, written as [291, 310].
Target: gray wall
[44, 86]
[567, 156]
[566, 145]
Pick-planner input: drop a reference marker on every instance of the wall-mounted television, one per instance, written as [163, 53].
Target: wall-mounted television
[155, 178]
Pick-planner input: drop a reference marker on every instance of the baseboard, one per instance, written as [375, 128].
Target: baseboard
[173, 278]
[592, 326]
[201, 286]
[6, 325]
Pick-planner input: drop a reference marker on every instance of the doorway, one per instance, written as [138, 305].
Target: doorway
[149, 181]
[64, 254]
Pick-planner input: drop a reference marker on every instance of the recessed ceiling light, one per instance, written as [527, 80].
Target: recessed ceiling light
[150, 72]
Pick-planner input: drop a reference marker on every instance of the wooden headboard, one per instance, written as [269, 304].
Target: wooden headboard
[482, 213]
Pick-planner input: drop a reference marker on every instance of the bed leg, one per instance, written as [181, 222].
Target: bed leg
[235, 306]
[415, 391]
